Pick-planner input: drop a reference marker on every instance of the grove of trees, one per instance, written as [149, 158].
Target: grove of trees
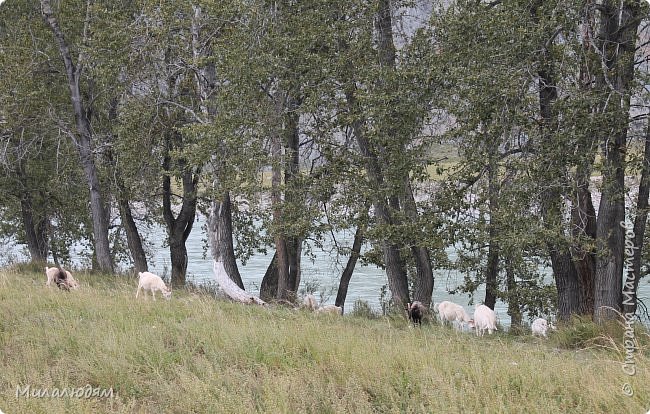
[516, 132]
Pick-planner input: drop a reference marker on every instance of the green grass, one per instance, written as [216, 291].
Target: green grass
[194, 354]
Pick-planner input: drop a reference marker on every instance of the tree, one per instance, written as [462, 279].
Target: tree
[160, 98]
[386, 106]
[84, 135]
[39, 176]
[220, 220]
[616, 40]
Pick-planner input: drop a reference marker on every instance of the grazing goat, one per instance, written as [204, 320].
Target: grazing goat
[452, 312]
[310, 302]
[415, 312]
[540, 326]
[149, 281]
[61, 277]
[332, 309]
[484, 318]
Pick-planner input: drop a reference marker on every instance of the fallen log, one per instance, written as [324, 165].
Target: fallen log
[230, 288]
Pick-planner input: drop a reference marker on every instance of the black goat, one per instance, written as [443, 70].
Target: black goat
[415, 312]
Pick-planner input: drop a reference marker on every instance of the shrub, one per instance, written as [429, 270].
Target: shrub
[362, 309]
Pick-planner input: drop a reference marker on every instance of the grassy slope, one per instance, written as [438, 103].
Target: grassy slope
[195, 354]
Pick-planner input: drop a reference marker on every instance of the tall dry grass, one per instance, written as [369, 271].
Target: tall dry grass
[194, 354]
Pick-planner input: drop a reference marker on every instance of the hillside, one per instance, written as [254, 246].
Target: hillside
[196, 354]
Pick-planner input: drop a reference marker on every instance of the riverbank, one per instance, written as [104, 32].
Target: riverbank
[196, 354]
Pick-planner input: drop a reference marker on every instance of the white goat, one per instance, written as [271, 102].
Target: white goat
[53, 275]
[484, 318]
[332, 309]
[309, 302]
[149, 281]
[451, 312]
[540, 326]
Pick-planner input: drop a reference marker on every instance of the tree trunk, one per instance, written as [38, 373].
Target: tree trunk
[492, 266]
[220, 228]
[179, 228]
[133, 238]
[551, 205]
[288, 247]
[564, 268]
[609, 261]
[349, 268]
[35, 225]
[617, 35]
[294, 250]
[281, 258]
[220, 220]
[384, 27]
[583, 215]
[35, 232]
[514, 308]
[583, 225]
[492, 271]
[566, 282]
[269, 286]
[178, 255]
[282, 266]
[631, 286]
[395, 271]
[278, 268]
[293, 242]
[83, 144]
[230, 288]
[423, 284]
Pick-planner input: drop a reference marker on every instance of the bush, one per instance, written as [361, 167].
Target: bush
[583, 332]
[577, 333]
[362, 309]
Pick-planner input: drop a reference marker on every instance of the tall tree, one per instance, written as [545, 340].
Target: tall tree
[83, 137]
[204, 30]
[616, 40]
[423, 284]
[346, 276]
[180, 226]
[553, 174]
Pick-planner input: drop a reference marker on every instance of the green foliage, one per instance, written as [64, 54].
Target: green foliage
[39, 170]
[580, 333]
[583, 332]
[362, 309]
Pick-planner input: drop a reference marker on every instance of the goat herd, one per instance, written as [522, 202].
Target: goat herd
[448, 312]
[484, 318]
